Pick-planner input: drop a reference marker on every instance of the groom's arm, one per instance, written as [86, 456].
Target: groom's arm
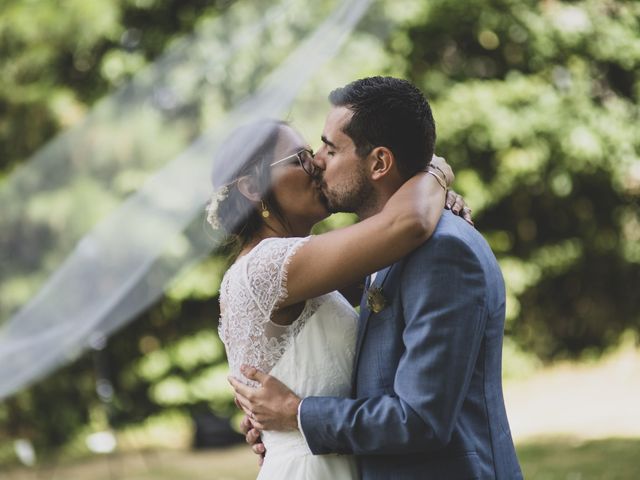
[443, 332]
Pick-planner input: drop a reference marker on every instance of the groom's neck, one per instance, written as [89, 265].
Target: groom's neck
[379, 199]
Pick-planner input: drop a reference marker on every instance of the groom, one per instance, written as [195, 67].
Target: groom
[427, 397]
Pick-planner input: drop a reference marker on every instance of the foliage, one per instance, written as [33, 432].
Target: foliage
[57, 60]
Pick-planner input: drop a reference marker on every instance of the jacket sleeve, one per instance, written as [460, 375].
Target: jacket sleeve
[444, 304]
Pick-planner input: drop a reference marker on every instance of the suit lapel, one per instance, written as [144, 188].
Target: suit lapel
[363, 320]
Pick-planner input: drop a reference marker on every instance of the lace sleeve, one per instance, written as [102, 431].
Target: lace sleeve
[267, 271]
[250, 292]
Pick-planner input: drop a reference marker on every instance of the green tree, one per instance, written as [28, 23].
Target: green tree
[57, 59]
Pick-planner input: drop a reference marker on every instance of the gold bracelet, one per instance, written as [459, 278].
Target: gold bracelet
[440, 181]
[446, 180]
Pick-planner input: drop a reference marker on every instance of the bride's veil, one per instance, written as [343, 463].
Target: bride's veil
[136, 172]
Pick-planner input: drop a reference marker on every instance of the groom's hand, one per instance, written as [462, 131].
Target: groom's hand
[272, 406]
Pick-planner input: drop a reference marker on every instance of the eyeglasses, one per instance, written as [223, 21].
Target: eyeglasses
[305, 159]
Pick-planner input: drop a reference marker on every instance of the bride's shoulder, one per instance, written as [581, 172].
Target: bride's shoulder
[264, 262]
[276, 249]
[278, 242]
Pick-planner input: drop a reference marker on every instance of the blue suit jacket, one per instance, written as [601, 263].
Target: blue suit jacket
[427, 397]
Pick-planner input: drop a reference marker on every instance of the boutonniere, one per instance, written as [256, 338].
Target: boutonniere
[376, 301]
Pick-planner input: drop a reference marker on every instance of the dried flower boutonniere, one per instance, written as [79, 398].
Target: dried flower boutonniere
[376, 301]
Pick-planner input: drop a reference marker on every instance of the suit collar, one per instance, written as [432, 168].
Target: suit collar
[365, 313]
[377, 283]
[381, 277]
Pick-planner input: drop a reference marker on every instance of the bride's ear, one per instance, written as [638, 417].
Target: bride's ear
[248, 186]
[382, 162]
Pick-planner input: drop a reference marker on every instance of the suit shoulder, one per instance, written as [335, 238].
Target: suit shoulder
[454, 236]
[452, 232]
[456, 243]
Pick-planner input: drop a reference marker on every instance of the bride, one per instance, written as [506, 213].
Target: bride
[281, 311]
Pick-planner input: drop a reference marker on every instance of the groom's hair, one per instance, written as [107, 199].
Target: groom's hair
[389, 112]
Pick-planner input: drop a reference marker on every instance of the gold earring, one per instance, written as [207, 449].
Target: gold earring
[265, 211]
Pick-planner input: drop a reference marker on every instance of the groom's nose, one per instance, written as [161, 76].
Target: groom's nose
[319, 160]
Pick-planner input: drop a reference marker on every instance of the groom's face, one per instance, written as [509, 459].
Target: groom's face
[343, 179]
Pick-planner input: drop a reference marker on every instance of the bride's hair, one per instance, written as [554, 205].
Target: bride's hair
[248, 151]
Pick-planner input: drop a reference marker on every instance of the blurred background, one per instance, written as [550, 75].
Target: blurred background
[537, 109]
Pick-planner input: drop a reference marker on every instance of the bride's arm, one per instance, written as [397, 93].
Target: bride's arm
[340, 258]
[454, 202]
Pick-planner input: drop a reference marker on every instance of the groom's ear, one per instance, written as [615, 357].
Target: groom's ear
[249, 188]
[382, 162]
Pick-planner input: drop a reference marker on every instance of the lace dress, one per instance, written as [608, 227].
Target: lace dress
[313, 356]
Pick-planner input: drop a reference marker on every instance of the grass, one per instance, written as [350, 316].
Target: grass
[236, 463]
[545, 459]
[571, 421]
[558, 459]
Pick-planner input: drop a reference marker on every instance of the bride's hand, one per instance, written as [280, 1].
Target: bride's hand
[441, 165]
[252, 437]
[454, 202]
[457, 205]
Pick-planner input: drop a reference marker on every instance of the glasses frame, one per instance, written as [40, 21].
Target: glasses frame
[298, 155]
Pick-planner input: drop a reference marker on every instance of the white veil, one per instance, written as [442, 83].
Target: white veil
[137, 169]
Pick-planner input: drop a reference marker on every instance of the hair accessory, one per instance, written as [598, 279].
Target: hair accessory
[212, 206]
[265, 211]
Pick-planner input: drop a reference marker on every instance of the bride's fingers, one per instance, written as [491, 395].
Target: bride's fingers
[458, 205]
[466, 214]
[451, 199]
[245, 424]
[258, 426]
[252, 437]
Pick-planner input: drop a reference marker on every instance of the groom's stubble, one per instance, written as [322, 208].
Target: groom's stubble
[354, 194]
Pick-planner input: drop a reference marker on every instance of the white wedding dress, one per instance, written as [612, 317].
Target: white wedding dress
[313, 356]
